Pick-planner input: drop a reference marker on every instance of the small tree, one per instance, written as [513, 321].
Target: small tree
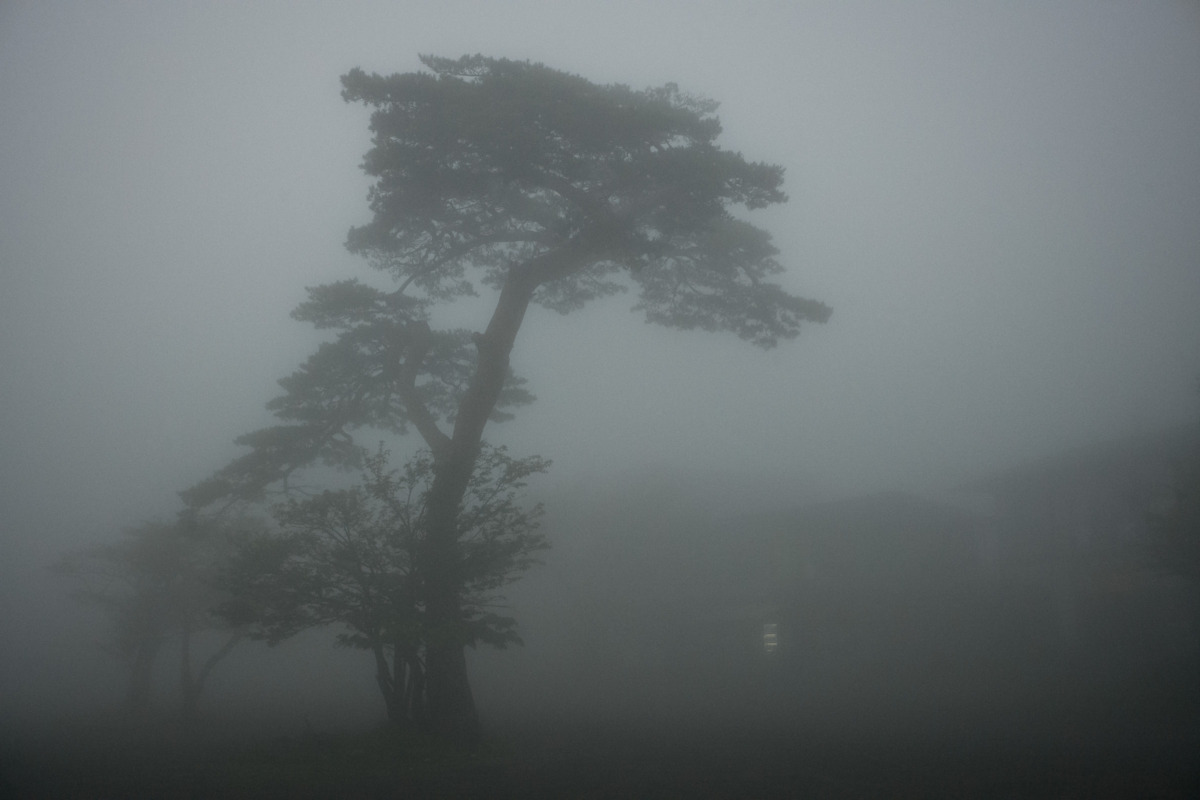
[156, 584]
[545, 188]
[352, 557]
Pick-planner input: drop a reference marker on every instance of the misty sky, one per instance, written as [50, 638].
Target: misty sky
[1000, 201]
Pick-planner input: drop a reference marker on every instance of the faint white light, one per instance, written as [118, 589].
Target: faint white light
[770, 637]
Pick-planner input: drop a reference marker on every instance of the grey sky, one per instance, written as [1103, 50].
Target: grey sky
[999, 200]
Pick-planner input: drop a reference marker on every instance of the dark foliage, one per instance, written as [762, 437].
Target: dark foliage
[353, 558]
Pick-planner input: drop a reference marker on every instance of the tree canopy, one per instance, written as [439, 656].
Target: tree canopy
[512, 174]
[491, 167]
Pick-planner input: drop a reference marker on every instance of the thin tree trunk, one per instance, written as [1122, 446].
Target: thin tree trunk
[415, 691]
[187, 684]
[142, 674]
[216, 658]
[386, 679]
[193, 687]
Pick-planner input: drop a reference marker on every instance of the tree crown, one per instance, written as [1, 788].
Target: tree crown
[488, 164]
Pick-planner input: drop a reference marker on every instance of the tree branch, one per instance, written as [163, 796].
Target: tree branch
[464, 248]
[215, 659]
[419, 341]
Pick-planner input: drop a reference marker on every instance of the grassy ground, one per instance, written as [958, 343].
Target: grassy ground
[567, 758]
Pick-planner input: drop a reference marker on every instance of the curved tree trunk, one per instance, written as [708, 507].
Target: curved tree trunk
[451, 706]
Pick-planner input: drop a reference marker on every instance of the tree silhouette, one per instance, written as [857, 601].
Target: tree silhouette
[540, 187]
[156, 584]
[352, 558]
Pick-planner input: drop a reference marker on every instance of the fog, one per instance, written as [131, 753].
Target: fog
[1000, 202]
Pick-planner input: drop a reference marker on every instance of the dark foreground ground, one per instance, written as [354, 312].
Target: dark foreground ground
[569, 758]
